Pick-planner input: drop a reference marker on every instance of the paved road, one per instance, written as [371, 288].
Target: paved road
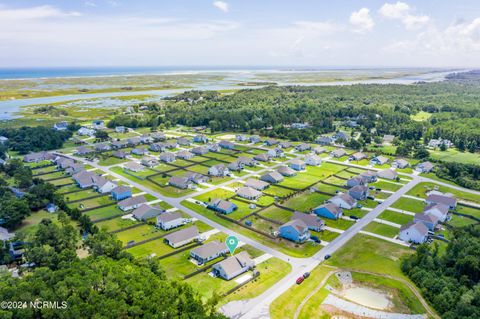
[259, 307]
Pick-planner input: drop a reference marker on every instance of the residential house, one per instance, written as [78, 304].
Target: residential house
[272, 177]
[119, 154]
[131, 202]
[246, 161]
[450, 202]
[103, 185]
[430, 221]
[196, 178]
[157, 147]
[158, 136]
[297, 164]
[414, 232]
[424, 167]
[299, 126]
[84, 179]
[271, 142]
[98, 124]
[319, 150]
[358, 156]
[379, 160]
[343, 201]
[171, 144]
[285, 144]
[120, 129]
[5, 235]
[74, 168]
[213, 147]
[286, 171]
[185, 155]
[339, 152]
[313, 160]
[436, 143]
[341, 136]
[209, 251]
[167, 157]
[254, 139]
[133, 166]
[60, 126]
[227, 145]
[181, 237]
[235, 166]
[149, 161]
[303, 147]
[199, 150]
[139, 151]
[388, 174]
[241, 138]
[262, 157]
[183, 141]
[249, 193]
[354, 181]
[3, 139]
[218, 170]
[118, 144]
[179, 182]
[295, 230]
[233, 266]
[438, 210]
[102, 147]
[134, 141]
[329, 210]
[400, 163]
[121, 192]
[38, 157]
[256, 184]
[85, 131]
[388, 139]
[146, 139]
[200, 139]
[145, 211]
[369, 176]
[359, 192]
[311, 220]
[170, 220]
[324, 140]
[51, 208]
[277, 152]
[222, 206]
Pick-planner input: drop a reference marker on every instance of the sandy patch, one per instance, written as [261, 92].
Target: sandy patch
[367, 297]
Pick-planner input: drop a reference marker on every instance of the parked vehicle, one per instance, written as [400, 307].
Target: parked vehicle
[327, 257]
[354, 217]
[370, 197]
[306, 275]
[300, 280]
[359, 206]
[315, 239]
[248, 223]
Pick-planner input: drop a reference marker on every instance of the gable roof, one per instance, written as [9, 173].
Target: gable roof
[255, 183]
[441, 199]
[418, 226]
[183, 234]
[143, 209]
[168, 217]
[309, 219]
[297, 224]
[131, 201]
[210, 249]
[235, 263]
[248, 192]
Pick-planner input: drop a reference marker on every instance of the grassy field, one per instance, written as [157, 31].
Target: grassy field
[276, 213]
[408, 204]
[453, 155]
[395, 217]
[306, 201]
[381, 229]
[104, 212]
[421, 116]
[421, 188]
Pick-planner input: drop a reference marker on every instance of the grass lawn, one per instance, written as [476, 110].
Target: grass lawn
[306, 201]
[216, 193]
[325, 235]
[108, 161]
[242, 210]
[277, 213]
[92, 202]
[104, 212]
[453, 155]
[116, 224]
[408, 204]
[29, 225]
[341, 223]
[421, 116]
[395, 217]
[367, 253]
[80, 195]
[421, 188]
[387, 186]
[157, 247]
[52, 175]
[300, 181]
[381, 229]
[139, 233]
[277, 191]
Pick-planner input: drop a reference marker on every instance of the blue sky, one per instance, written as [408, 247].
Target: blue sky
[198, 32]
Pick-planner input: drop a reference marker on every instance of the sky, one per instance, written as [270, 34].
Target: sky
[333, 33]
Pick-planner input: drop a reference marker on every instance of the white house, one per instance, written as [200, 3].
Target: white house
[343, 201]
[169, 220]
[414, 232]
[233, 266]
[313, 160]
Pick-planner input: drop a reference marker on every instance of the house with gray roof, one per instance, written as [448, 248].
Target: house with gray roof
[400, 163]
[430, 221]
[319, 150]
[209, 251]
[359, 192]
[167, 157]
[218, 170]
[295, 230]
[233, 266]
[145, 211]
[450, 202]
[183, 141]
[369, 176]
[438, 210]
[311, 220]
[388, 174]
[249, 193]
[82, 150]
[226, 144]
[339, 152]
[286, 171]
[343, 201]
[358, 156]
[131, 202]
[414, 232]
[272, 177]
[222, 206]
[200, 150]
[256, 184]
[185, 155]
[149, 161]
[170, 220]
[179, 182]
[303, 147]
[119, 154]
[425, 167]
[133, 166]
[264, 157]
[379, 160]
[182, 237]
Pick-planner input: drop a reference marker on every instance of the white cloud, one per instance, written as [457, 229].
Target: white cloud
[403, 12]
[362, 20]
[221, 5]
[33, 13]
[90, 4]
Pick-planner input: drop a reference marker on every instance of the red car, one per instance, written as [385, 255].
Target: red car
[300, 280]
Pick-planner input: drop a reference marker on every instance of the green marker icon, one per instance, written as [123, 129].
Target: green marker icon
[232, 243]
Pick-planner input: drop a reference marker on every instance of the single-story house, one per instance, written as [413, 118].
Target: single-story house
[98, 124]
[276, 152]
[329, 210]
[146, 139]
[285, 144]
[102, 147]
[359, 192]
[241, 138]
[343, 201]
[247, 161]
[313, 160]
[158, 136]
[358, 156]
[196, 178]
[213, 147]
[185, 155]
[450, 202]
[341, 135]
[400, 163]
[145, 211]
[379, 160]
[222, 206]
[60, 126]
[157, 147]
[414, 232]
[51, 208]
[103, 185]
[235, 166]
[183, 141]
[149, 161]
[324, 140]
[120, 154]
[297, 164]
[120, 129]
[131, 202]
[38, 157]
[311, 220]
[85, 179]
[339, 152]
[133, 141]
[167, 157]
[286, 171]
[118, 144]
[133, 166]
[295, 230]
[319, 150]
[82, 150]
[209, 251]
[388, 174]
[256, 184]
[85, 131]
[179, 182]
[249, 193]
[264, 157]
[170, 220]
[227, 145]
[270, 142]
[121, 192]
[254, 139]
[425, 167]
[303, 147]
[233, 266]
[200, 138]
[272, 177]
[199, 150]
[139, 151]
[182, 237]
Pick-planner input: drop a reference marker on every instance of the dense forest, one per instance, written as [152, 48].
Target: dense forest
[450, 281]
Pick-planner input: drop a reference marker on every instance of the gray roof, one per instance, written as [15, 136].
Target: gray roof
[285, 170]
[426, 217]
[440, 207]
[310, 220]
[298, 224]
[331, 207]
[143, 209]
[255, 183]
[420, 227]
[183, 234]
[235, 263]
[168, 217]
[387, 173]
[248, 192]
[210, 249]
[121, 189]
[440, 199]
[132, 201]
[221, 203]
[274, 175]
